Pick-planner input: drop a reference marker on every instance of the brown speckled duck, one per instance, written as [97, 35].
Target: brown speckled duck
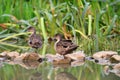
[35, 40]
[63, 46]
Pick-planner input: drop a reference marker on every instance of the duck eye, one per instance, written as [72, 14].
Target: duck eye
[30, 42]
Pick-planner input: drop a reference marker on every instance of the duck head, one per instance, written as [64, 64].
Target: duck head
[58, 37]
[31, 29]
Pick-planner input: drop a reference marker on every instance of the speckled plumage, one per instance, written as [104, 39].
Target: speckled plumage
[63, 46]
[35, 40]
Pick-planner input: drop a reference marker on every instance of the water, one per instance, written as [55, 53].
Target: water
[47, 71]
[27, 70]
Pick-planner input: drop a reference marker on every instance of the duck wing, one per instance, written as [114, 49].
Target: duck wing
[66, 46]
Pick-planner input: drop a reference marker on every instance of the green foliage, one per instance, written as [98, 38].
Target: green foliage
[94, 23]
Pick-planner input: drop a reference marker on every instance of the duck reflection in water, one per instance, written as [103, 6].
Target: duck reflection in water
[35, 40]
[63, 46]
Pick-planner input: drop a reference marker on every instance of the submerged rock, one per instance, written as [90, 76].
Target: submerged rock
[77, 63]
[1, 64]
[106, 70]
[116, 69]
[30, 64]
[112, 69]
[25, 64]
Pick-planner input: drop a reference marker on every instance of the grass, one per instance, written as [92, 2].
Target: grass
[93, 23]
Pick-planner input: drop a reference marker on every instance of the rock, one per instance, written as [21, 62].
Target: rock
[51, 57]
[21, 57]
[10, 55]
[115, 59]
[3, 58]
[79, 56]
[117, 66]
[104, 54]
[31, 57]
[102, 62]
[58, 59]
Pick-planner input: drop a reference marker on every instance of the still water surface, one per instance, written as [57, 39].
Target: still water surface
[47, 71]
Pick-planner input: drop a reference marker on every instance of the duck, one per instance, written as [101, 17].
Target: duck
[63, 46]
[35, 40]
